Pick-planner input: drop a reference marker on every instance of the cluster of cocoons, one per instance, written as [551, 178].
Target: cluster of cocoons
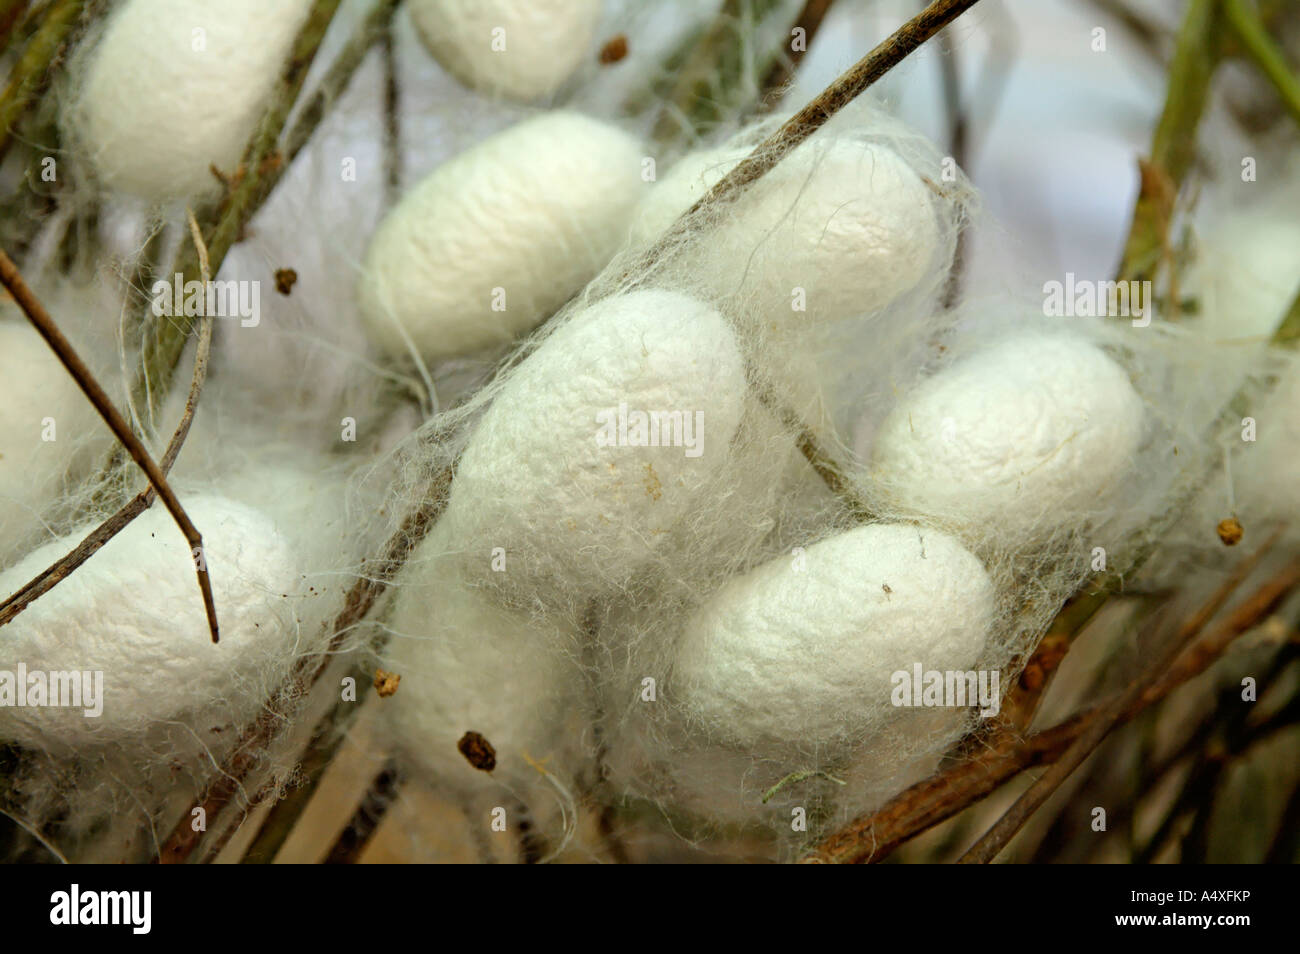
[574, 563]
[632, 500]
[175, 87]
[133, 613]
[519, 49]
[1028, 434]
[496, 239]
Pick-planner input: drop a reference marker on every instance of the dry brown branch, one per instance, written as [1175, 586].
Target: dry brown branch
[360, 598]
[262, 166]
[872, 837]
[783, 70]
[996, 838]
[33, 65]
[49, 330]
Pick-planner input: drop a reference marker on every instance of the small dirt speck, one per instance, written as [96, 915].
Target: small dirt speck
[478, 751]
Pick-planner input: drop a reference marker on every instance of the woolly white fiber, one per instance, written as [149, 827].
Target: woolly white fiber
[847, 221]
[800, 651]
[520, 49]
[176, 86]
[493, 241]
[1027, 435]
[566, 471]
[47, 426]
[469, 665]
[133, 612]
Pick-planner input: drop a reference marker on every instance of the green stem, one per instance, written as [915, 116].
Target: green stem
[1259, 46]
[1173, 146]
[262, 167]
[32, 67]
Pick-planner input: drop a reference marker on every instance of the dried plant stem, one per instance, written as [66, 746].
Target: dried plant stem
[1173, 145]
[852, 83]
[36, 313]
[259, 172]
[51, 576]
[337, 77]
[183, 840]
[997, 837]
[1259, 46]
[713, 68]
[945, 794]
[374, 806]
[33, 65]
[782, 72]
[328, 734]
[11, 13]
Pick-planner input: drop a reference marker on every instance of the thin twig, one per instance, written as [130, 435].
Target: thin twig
[783, 70]
[11, 13]
[360, 598]
[40, 318]
[354, 838]
[855, 81]
[946, 793]
[713, 68]
[1259, 46]
[32, 67]
[1173, 145]
[996, 838]
[262, 166]
[338, 76]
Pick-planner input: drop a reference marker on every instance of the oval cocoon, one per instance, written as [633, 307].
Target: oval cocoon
[799, 652]
[470, 665]
[133, 613]
[498, 238]
[1023, 437]
[847, 221]
[521, 49]
[176, 86]
[47, 426]
[566, 471]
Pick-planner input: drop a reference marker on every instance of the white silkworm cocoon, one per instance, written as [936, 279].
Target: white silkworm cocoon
[469, 665]
[602, 443]
[800, 651]
[847, 222]
[520, 49]
[1025, 437]
[498, 238]
[175, 87]
[133, 614]
[47, 427]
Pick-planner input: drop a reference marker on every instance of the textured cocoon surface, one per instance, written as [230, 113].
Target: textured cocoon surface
[534, 478]
[467, 664]
[175, 86]
[799, 652]
[544, 41]
[535, 211]
[36, 387]
[1028, 434]
[134, 612]
[847, 221]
